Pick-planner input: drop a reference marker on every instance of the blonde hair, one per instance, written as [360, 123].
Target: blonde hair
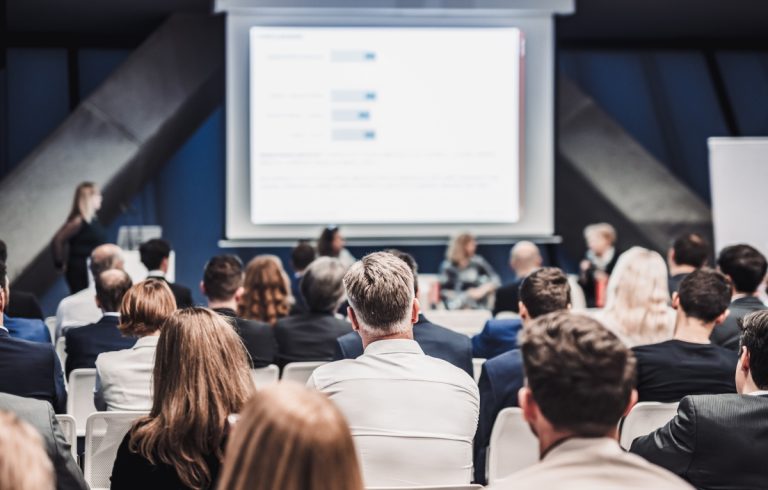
[605, 229]
[637, 297]
[457, 249]
[267, 295]
[145, 307]
[25, 465]
[290, 438]
[81, 203]
[201, 376]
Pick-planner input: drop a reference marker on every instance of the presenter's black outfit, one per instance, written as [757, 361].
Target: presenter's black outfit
[74, 243]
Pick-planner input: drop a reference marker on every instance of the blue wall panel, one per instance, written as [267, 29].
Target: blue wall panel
[746, 81]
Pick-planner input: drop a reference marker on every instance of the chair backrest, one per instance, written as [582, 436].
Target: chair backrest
[477, 367]
[644, 418]
[265, 375]
[50, 322]
[458, 487]
[299, 372]
[69, 428]
[468, 322]
[104, 431]
[61, 350]
[513, 446]
[80, 397]
[506, 315]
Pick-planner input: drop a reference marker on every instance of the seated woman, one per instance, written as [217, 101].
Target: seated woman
[201, 376]
[290, 438]
[267, 290]
[467, 281]
[332, 244]
[124, 377]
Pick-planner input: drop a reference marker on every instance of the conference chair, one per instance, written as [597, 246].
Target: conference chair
[299, 372]
[50, 322]
[513, 446]
[61, 350]
[468, 322]
[80, 397]
[477, 367]
[644, 418]
[265, 376]
[458, 487]
[69, 428]
[104, 431]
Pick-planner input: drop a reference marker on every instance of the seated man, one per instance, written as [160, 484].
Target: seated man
[434, 340]
[222, 284]
[690, 364]
[580, 380]
[84, 344]
[543, 291]
[21, 304]
[32, 329]
[311, 336]
[688, 253]
[718, 441]
[412, 416]
[524, 258]
[155, 254]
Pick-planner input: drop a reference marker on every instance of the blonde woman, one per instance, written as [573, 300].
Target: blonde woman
[637, 299]
[290, 438]
[24, 464]
[76, 239]
[467, 281]
[267, 296]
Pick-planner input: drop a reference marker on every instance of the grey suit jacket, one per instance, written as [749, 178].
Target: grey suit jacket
[40, 415]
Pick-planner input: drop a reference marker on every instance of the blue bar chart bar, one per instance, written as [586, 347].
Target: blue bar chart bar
[351, 115]
[352, 56]
[353, 95]
[353, 135]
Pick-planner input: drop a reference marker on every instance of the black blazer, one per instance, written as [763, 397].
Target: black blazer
[23, 305]
[258, 337]
[308, 337]
[507, 298]
[728, 333]
[84, 344]
[31, 370]
[182, 294]
[716, 442]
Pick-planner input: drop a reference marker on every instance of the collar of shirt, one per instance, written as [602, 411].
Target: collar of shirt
[394, 346]
[147, 341]
[112, 313]
[758, 393]
[6, 330]
[604, 445]
[156, 273]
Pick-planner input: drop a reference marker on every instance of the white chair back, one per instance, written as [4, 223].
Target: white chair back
[513, 446]
[458, 487]
[506, 315]
[61, 350]
[265, 375]
[80, 397]
[69, 428]
[578, 300]
[299, 372]
[50, 322]
[644, 418]
[477, 367]
[104, 431]
[468, 322]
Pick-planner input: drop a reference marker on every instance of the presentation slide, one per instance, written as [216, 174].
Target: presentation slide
[385, 125]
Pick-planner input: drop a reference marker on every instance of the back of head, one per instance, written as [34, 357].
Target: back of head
[545, 291]
[222, 277]
[267, 293]
[145, 307]
[744, 265]
[754, 338]
[691, 249]
[410, 262]
[111, 286]
[302, 255]
[525, 256]
[105, 257]
[290, 438]
[4, 286]
[3, 251]
[322, 285]
[704, 294]
[380, 292]
[25, 465]
[580, 374]
[153, 252]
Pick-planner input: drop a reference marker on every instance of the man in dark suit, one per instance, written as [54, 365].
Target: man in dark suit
[222, 284]
[688, 253]
[434, 340]
[543, 291]
[720, 441]
[20, 304]
[746, 267]
[29, 369]
[524, 258]
[155, 254]
[84, 344]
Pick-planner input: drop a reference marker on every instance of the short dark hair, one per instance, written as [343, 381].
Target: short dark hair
[744, 265]
[222, 276]
[691, 249]
[302, 255]
[325, 242]
[3, 251]
[322, 285]
[153, 252]
[545, 290]
[705, 294]
[408, 259]
[754, 337]
[3, 276]
[580, 373]
[111, 286]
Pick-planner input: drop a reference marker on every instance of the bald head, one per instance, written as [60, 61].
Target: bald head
[524, 258]
[111, 286]
[105, 257]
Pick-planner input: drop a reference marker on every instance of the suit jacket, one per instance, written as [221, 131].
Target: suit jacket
[39, 415]
[308, 337]
[728, 333]
[182, 294]
[31, 370]
[30, 329]
[435, 341]
[124, 377]
[84, 344]
[258, 337]
[507, 298]
[23, 305]
[715, 442]
[497, 337]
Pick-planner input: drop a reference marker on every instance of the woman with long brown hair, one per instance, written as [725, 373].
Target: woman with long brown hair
[290, 438]
[201, 376]
[267, 296]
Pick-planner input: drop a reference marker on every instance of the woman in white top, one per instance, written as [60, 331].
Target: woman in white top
[124, 378]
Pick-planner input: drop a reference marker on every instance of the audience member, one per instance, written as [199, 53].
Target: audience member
[434, 340]
[637, 298]
[124, 377]
[311, 336]
[155, 255]
[331, 244]
[689, 252]
[24, 465]
[84, 344]
[543, 291]
[290, 438]
[267, 290]
[467, 280]
[690, 364]
[201, 376]
[29, 369]
[597, 266]
[719, 441]
[32, 329]
[746, 268]
[580, 380]
[39, 414]
[524, 258]
[301, 256]
[20, 304]
[412, 416]
[222, 284]
[80, 308]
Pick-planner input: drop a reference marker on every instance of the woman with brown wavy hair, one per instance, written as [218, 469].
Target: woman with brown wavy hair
[290, 438]
[201, 376]
[267, 295]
